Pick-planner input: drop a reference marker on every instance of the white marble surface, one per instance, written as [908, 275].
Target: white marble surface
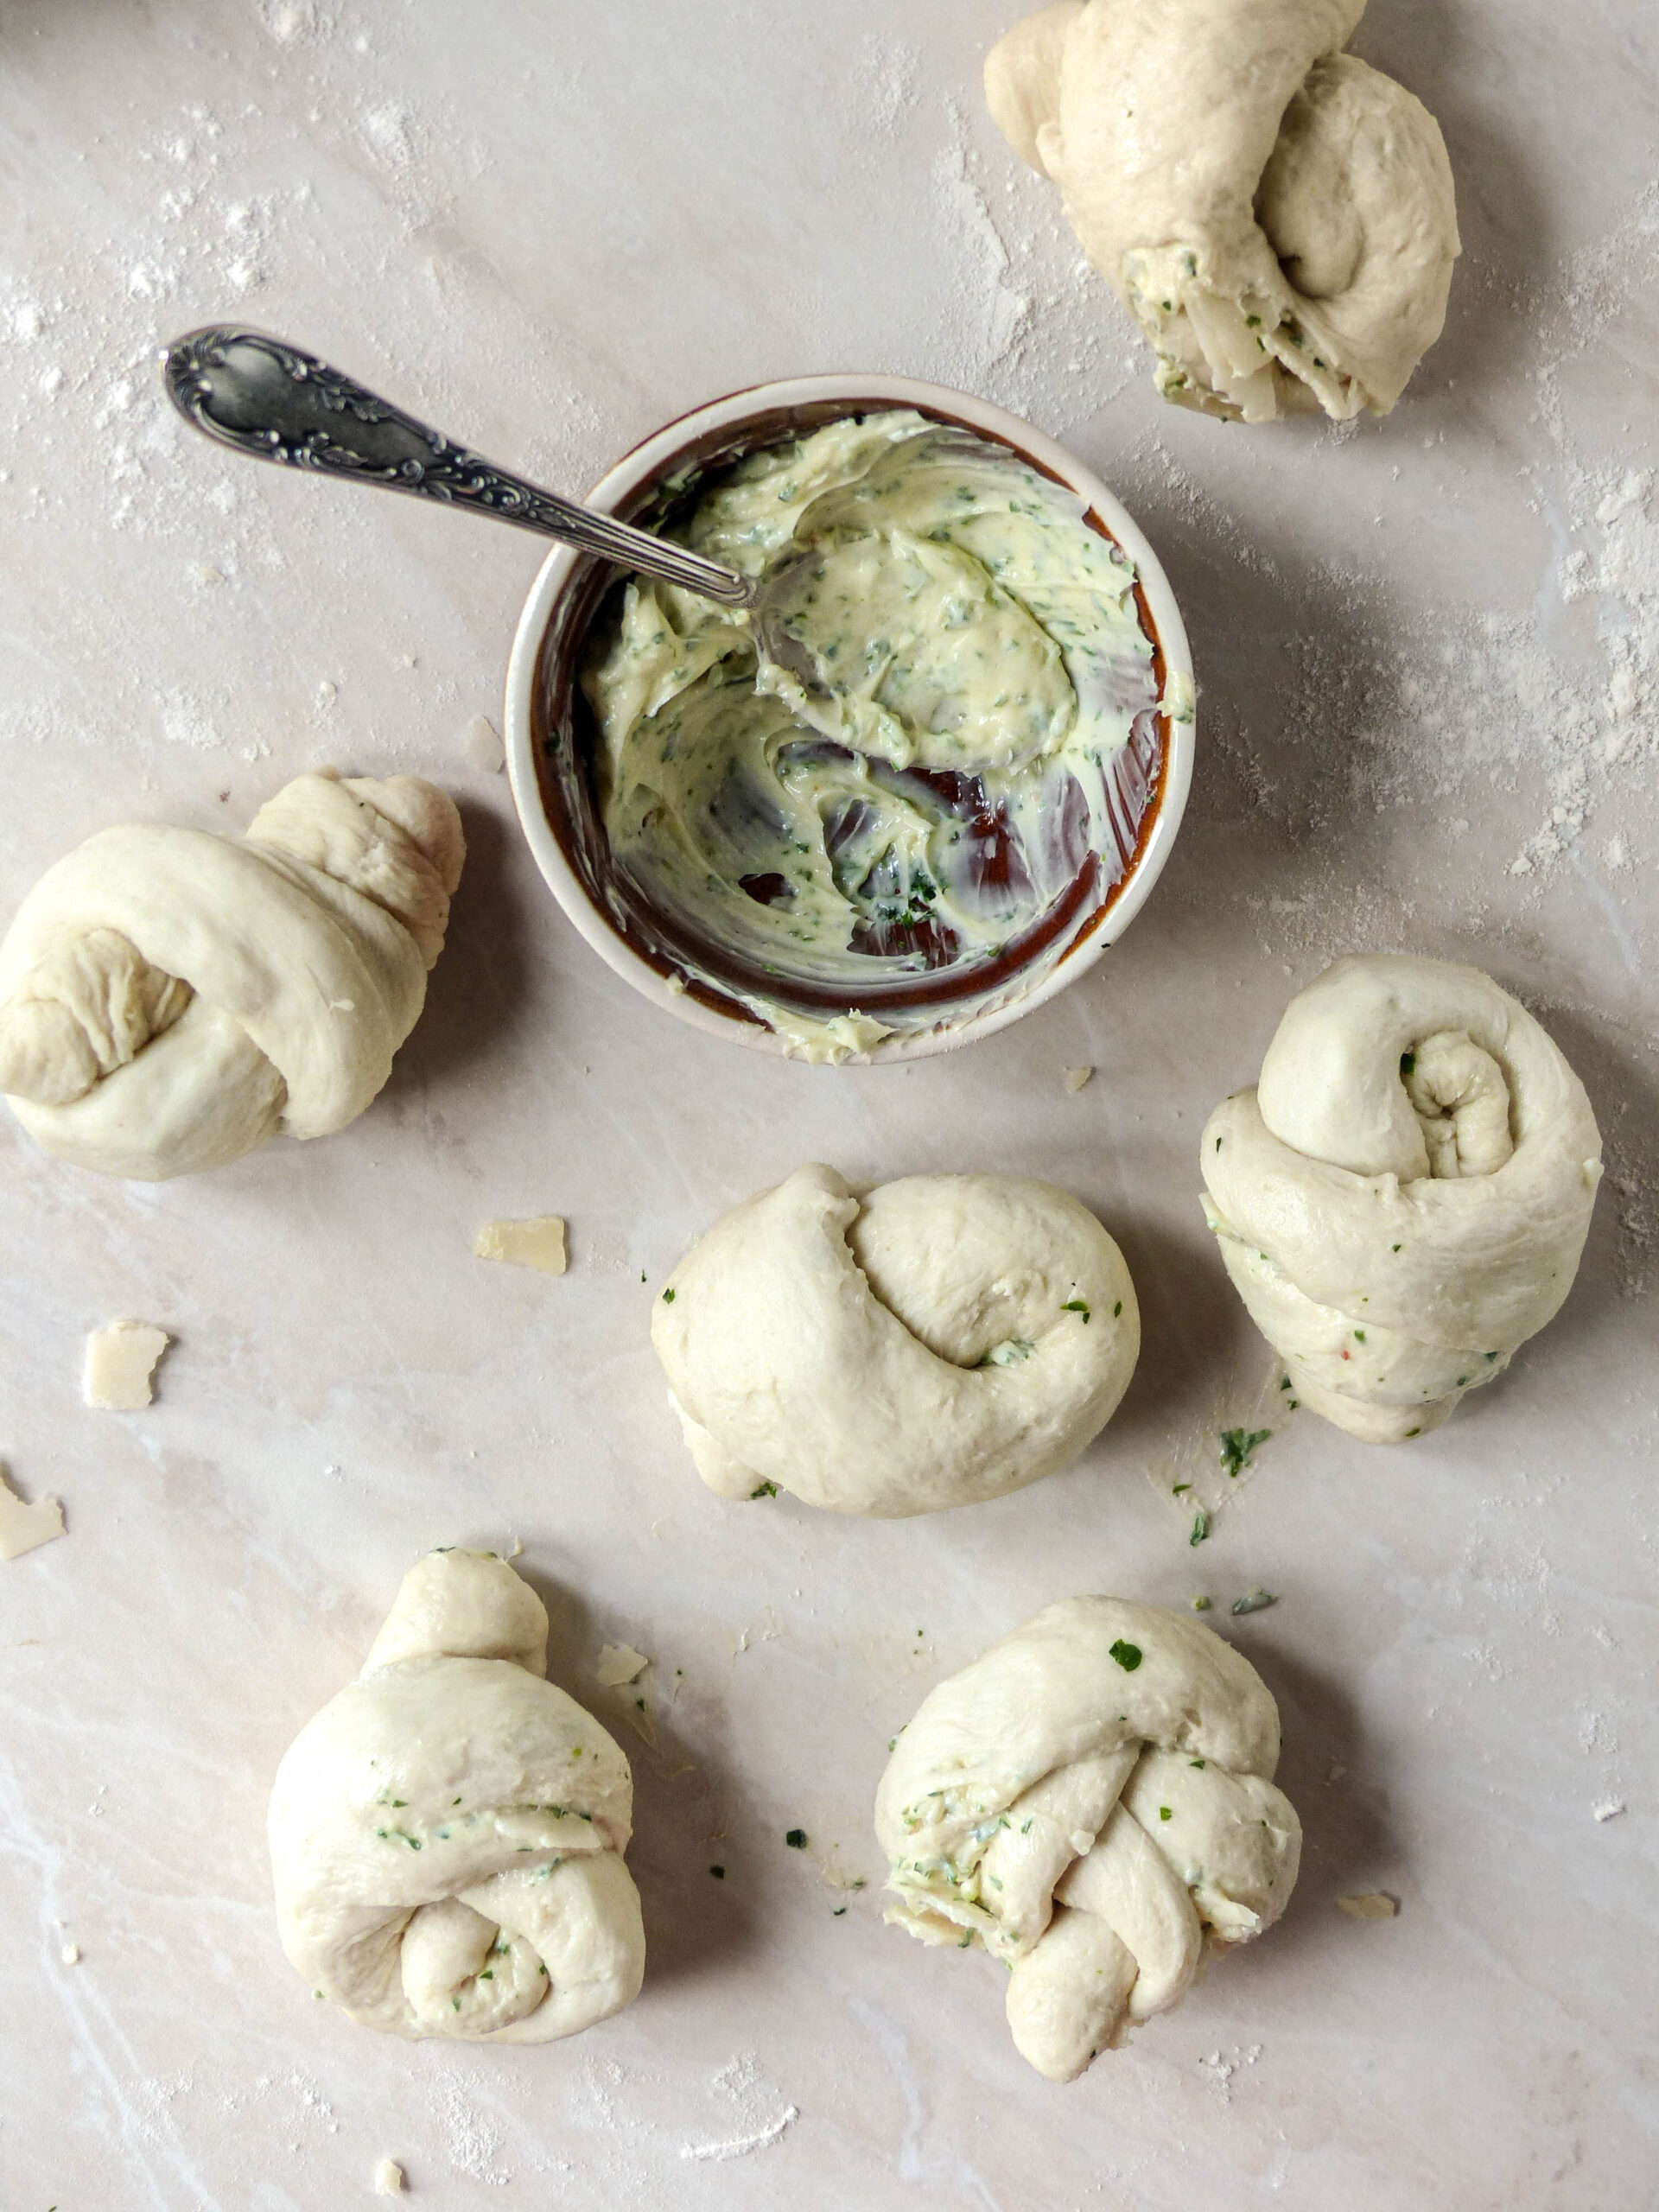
[1421, 642]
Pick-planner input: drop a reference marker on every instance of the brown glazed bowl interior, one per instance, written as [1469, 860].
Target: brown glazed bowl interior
[552, 746]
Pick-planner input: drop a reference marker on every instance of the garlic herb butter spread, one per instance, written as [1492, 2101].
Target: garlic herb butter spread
[934, 769]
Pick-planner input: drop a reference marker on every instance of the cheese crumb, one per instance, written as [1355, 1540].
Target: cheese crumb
[1373, 1906]
[619, 1663]
[72, 1955]
[24, 1527]
[1075, 1077]
[538, 1242]
[482, 746]
[389, 2178]
[1609, 1810]
[120, 1361]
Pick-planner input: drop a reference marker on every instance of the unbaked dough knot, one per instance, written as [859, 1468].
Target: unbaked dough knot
[1403, 1198]
[1278, 216]
[446, 1834]
[1091, 1801]
[941, 1340]
[170, 998]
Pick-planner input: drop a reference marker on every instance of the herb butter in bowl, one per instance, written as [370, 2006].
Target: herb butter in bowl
[947, 787]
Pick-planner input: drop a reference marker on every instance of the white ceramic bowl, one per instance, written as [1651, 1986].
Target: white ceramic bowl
[545, 717]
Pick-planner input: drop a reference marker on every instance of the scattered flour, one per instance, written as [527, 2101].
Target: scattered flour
[1219, 2072]
[754, 2110]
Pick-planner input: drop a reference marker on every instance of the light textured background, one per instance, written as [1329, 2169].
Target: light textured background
[1428, 650]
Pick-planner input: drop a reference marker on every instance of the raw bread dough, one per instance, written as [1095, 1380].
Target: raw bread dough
[24, 1528]
[120, 1361]
[944, 1339]
[538, 1242]
[170, 998]
[446, 1834]
[1091, 1801]
[1278, 216]
[1403, 1199]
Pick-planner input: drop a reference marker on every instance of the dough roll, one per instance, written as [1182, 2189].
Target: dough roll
[446, 1834]
[1278, 216]
[943, 1339]
[1091, 1801]
[1403, 1199]
[170, 998]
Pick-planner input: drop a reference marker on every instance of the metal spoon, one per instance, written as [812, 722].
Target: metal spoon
[262, 397]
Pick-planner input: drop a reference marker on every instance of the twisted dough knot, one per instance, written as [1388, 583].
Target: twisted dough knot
[170, 998]
[1403, 1199]
[943, 1339]
[446, 1834]
[1278, 217]
[1092, 1801]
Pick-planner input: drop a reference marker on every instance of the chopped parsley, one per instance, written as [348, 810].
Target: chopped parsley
[1237, 1444]
[796, 1838]
[1118, 1308]
[668, 1296]
[1257, 1602]
[1075, 1306]
[1200, 1605]
[1165, 1814]
[1200, 1527]
[1127, 1655]
[1407, 1064]
[764, 1490]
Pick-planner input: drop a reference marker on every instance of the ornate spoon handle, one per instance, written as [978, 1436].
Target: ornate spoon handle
[260, 396]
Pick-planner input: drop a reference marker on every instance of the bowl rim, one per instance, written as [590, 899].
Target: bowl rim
[636, 469]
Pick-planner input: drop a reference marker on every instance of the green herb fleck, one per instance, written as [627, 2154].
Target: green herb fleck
[668, 1296]
[764, 1490]
[1165, 1814]
[1200, 1527]
[1075, 1306]
[1195, 1762]
[1359, 1336]
[1118, 1308]
[1175, 1489]
[718, 1873]
[1127, 1655]
[1257, 1602]
[1237, 1445]
[1407, 1064]
[796, 1838]
[1200, 1605]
